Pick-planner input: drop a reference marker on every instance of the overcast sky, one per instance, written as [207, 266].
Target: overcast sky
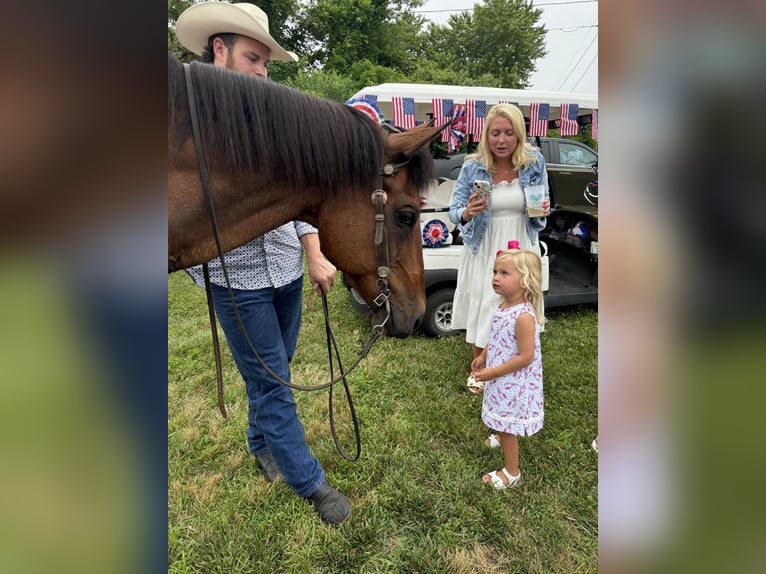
[572, 61]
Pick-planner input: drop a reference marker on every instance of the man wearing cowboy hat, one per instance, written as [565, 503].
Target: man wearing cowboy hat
[232, 35]
[266, 276]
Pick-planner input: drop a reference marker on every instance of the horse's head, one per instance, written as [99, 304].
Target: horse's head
[390, 260]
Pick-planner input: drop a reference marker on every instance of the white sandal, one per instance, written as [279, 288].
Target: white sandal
[492, 441]
[494, 479]
[473, 385]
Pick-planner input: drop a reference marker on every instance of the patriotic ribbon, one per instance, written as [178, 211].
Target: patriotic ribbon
[457, 128]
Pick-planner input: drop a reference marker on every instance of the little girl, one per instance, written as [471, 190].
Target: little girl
[511, 365]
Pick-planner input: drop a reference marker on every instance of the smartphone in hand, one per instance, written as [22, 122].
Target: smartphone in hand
[483, 189]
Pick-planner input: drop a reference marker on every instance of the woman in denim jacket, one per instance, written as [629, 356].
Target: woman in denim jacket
[511, 165]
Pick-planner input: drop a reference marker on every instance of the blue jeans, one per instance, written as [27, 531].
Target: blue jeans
[272, 318]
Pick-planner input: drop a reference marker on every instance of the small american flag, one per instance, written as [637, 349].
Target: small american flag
[475, 113]
[569, 119]
[538, 119]
[404, 112]
[441, 110]
[594, 126]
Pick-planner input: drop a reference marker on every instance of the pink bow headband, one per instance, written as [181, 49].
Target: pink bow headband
[512, 244]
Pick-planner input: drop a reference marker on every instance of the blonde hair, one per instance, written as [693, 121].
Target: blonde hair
[529, 266]
[521, 156]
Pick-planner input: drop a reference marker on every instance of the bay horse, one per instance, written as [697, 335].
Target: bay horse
[276, 154]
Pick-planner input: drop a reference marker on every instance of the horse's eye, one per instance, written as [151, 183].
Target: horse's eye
[407, 217]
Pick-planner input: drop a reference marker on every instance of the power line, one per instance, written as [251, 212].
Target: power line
[595, 56]
[576, 63]
[570, 2]
[536, 4]
[582, 43]
[572, 29]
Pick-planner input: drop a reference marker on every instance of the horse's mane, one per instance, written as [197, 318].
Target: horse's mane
[250, 123]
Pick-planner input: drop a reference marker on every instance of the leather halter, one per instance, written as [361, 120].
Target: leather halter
[379, 198]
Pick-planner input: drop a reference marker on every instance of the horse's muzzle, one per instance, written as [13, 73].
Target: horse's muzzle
[401, 329]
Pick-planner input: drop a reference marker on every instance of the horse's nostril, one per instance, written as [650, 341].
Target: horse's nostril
[418, 322]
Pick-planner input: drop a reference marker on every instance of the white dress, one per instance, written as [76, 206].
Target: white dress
[474, 299]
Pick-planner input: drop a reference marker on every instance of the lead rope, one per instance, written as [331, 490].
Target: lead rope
[211, 209]
[216, 344]
[333, 346]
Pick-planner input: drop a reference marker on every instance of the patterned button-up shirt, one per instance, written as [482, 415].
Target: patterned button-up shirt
[272, 260]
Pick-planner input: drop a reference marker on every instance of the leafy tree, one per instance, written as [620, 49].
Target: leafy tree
[324, 83]
[365, 73]
[175, 8]
[345, 32]
[496, 46]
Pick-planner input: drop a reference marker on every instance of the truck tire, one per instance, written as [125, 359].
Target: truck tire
[438, 319]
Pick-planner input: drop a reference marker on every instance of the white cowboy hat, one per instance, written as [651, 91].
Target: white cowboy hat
[197, 23]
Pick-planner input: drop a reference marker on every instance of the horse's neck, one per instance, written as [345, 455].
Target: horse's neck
[245, 208]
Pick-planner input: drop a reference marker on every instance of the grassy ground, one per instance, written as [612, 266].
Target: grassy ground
[418, 501]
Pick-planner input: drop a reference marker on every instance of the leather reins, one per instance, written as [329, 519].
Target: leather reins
[379, 198]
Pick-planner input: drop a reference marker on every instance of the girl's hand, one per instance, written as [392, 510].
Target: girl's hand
[478, 363]
[483, 374]
[546, 206]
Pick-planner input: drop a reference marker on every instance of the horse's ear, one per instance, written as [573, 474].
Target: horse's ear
[410, 142]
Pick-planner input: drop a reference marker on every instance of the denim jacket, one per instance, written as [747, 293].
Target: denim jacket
[473, 231]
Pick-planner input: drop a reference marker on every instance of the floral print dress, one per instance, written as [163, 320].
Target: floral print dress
[513, 403]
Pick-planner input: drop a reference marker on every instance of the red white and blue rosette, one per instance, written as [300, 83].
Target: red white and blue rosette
[435, 233]
[368, 107]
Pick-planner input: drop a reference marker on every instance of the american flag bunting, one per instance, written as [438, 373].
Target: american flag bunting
[404, 112]
[475, 112]
[569, 125]
[441, 110]
[371, 98]
[538, 119]
[594, 125]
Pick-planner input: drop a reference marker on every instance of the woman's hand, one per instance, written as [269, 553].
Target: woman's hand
[474, 206]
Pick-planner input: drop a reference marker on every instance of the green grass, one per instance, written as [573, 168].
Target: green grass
[418, 501]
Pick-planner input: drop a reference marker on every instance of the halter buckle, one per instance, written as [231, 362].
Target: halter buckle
[379, 196]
